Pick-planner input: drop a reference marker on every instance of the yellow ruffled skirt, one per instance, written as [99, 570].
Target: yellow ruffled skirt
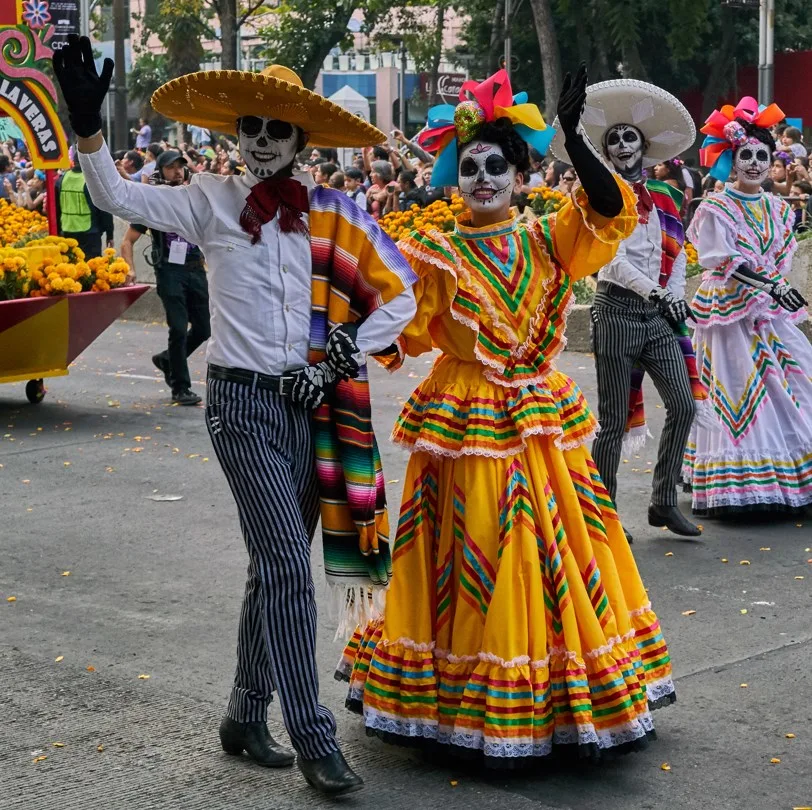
[516, 620]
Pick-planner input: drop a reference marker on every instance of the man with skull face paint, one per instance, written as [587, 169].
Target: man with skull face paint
[512, 574]
[755, 361]
[285, 260]
[639, 310]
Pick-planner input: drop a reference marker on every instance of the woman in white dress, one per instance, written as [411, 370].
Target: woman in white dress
[751, 355]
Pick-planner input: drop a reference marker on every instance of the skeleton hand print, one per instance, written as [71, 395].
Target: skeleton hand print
[267, 145]
[312, 385]
[342, 348]
[625, 147]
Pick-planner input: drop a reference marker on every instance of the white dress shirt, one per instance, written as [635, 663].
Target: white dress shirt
[637, 263]
[259, 295]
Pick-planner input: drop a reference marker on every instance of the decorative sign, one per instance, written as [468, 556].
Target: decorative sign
[27, 94]
[448, 86]
[63, 15]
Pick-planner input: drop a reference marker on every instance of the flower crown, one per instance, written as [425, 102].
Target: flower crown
[785, 157]
[480, 102]
[725, 133]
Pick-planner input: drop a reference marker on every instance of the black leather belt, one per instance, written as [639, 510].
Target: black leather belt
[617, 291]
[282, 385]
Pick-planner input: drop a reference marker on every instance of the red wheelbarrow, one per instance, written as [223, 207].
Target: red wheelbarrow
[41, 337]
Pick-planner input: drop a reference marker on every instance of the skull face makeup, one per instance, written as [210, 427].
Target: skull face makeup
[624, 146]
[267, 145]
[486, 179]
[752, 163]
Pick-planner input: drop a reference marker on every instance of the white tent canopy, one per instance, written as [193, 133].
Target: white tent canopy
[352, 101]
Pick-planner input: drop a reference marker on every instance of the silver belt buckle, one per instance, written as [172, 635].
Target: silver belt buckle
[286, 385]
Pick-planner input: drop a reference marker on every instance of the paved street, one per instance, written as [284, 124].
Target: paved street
[154, 588]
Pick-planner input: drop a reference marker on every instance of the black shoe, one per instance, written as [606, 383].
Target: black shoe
[672, 519]
[186, 397]
[161, 362]
[256, 741]
[330, 775]
[629, 536]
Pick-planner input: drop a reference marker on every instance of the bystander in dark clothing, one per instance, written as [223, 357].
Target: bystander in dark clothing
[78, 218]
[182, 286]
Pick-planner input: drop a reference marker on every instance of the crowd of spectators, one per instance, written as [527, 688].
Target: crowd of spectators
[397, 175]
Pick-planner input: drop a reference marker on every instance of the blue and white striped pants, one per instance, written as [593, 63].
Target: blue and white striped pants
[264, 444]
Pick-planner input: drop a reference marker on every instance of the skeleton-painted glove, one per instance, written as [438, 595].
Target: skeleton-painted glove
[787, 297]
[341, 348]
[83, 88]
[312, 385]
[674, 310]
[601, 189]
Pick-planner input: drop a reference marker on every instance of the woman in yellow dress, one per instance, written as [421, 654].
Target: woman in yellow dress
[516, 620]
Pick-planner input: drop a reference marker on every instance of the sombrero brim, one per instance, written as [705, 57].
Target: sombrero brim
[662, 118]
[215, 99]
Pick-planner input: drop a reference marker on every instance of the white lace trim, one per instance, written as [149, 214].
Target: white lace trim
[513, 749]
[428, 446]
[756, 455]
[519, 660]
[776, 495]
[635, 440]
[657, 690]
[640, 611]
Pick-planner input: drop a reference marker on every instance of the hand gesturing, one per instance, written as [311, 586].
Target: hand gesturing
[83, 88]
[571, 100]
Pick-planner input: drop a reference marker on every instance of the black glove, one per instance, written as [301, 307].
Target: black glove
[780, 291]
[84, 90]
[341, 346]
[599, 184]
[675, 310]
[787, 297]
[312, 385]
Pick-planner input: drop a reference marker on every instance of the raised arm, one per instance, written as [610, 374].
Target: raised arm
[180, 209]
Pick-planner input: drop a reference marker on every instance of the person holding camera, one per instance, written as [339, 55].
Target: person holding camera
[181, 284]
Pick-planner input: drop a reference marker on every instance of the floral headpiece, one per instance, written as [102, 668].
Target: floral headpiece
[725, 134]
[480, 102]
[785, 157]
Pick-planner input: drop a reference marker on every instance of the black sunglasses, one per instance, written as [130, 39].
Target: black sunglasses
[251, 125]
[568, 178]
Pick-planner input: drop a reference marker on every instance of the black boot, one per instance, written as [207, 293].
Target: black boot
[629, 536]
[161, 362]
[672, 519]
[330, 775]
[256, 741]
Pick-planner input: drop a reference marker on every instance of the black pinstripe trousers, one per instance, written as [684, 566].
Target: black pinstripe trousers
[626, 331]
[264, 444]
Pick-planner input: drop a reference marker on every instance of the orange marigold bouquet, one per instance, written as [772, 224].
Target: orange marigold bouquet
[56, 266]
[545, 200]
[18, 223]
[439, 215]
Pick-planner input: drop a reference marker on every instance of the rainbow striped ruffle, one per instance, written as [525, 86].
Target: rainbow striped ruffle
[455, 412]
[511, 710]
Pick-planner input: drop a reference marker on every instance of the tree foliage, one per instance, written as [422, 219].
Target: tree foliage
[677, 44]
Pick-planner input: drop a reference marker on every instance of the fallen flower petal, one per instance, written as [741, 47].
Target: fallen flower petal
[11, 599]
[58, 745]
[100, 748]
[66, 573]
[743, 686]
[143, 677]
[765, 548]
[59, 658]
[39, 759]
[688, 612]
[725, 559]
[775, 761]
[669, 553]
[665, 767]
[90, 668]
[743, 611]
[790, 736]
[744, 562]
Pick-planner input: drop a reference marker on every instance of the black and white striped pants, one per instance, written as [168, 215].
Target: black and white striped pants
[264, 444]
[626, 331]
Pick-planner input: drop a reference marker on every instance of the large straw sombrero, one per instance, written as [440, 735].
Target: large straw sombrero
[215, 99]
[662, 118]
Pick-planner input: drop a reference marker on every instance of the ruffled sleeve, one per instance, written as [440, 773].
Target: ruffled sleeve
[431, 300]
[713, 234]
[580, 240]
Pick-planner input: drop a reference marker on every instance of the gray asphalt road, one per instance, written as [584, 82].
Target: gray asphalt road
[154, 589]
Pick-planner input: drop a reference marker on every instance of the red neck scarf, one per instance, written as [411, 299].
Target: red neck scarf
[645, 204]
[287, 196]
